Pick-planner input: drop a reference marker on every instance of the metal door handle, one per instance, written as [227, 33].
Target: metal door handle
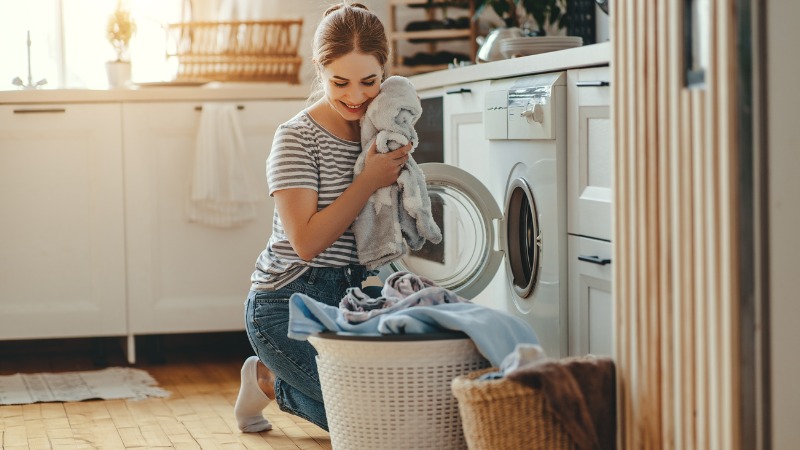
[40, 111]
[597, 83]
[459, 91]
[200, 108]
[594, 259]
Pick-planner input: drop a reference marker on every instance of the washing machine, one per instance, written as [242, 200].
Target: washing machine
[508, 249]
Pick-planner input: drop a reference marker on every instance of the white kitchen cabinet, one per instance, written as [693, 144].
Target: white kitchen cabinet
[591, 309]
[62, 255]
[589, 157]
[464, 143]
[185, 276]
[589, 209]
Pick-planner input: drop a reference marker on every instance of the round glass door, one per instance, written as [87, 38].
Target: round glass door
[466, 260]
[523, 239]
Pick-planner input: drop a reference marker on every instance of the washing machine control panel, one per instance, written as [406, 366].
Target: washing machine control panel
[521, 108]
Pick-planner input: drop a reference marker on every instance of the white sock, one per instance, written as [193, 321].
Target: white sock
[251, 401]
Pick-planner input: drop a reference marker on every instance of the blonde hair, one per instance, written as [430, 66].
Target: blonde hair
[345, 28]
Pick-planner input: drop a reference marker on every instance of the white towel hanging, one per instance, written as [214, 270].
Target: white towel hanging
[222, 193]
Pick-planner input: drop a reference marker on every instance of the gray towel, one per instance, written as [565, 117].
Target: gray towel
[396, 217]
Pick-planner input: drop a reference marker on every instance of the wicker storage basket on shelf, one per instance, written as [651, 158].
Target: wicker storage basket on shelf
[503, 414]
[264, 50]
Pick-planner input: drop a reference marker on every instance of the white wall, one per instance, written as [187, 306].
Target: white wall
[783, 98]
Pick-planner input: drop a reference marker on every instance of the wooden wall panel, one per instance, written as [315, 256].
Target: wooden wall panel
[674, 231]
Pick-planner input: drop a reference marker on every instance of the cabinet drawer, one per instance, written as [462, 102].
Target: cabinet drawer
[590, 156]
[591, 305]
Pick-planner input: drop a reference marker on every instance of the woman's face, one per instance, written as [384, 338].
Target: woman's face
[350, 83]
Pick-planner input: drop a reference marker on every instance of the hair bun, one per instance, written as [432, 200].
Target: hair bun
[339, 6]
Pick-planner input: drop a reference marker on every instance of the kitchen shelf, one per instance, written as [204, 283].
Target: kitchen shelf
[432, 34]
[436, 41]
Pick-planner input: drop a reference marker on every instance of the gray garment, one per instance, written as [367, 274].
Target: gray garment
[396, 217]
[401, 290]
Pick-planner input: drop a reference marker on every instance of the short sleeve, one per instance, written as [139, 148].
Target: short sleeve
[291, 162]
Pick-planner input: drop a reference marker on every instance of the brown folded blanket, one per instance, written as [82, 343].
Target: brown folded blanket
[581, 393]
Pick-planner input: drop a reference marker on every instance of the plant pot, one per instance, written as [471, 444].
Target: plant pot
[119, 74]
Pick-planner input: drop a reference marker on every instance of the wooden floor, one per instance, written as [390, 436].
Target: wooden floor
[200, 371]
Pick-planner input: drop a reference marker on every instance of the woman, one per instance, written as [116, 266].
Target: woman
[312, 249]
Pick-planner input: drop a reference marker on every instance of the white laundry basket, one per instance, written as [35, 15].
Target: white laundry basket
[393, 392]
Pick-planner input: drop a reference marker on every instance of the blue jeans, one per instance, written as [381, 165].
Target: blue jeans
[297, 388]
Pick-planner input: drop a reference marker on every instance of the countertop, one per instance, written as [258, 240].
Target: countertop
[210, 92]
[586, 56]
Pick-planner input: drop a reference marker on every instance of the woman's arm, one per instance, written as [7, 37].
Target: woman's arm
[310, 231]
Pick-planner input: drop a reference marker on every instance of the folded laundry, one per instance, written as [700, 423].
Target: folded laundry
[442, 4]
[461, 23]
[442, 57]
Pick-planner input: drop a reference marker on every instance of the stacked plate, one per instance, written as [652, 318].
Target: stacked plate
[533, 45]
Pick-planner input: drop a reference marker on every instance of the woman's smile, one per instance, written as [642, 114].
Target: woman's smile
[354, 106]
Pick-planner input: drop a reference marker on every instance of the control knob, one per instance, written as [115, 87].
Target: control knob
[533, 112]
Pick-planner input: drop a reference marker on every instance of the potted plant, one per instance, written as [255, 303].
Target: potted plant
[119, 31]
[517, 13]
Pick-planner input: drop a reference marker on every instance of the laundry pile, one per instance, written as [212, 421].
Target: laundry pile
[411, 304]
[401, 290]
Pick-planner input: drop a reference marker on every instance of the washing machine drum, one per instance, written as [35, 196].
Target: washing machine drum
[523, 238]
[471, 251]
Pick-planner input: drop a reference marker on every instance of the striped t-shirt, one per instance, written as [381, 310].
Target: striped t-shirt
[305, 155]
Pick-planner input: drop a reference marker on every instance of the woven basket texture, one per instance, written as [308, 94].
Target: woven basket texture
[394, 395]
[503, 414]
[236, 51]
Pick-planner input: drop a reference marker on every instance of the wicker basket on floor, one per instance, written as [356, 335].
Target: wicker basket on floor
[265, 50]
[503, 414]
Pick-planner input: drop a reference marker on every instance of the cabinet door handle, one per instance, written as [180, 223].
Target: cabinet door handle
[594, 259]
[200, 108]
[597, 83]
[40, 111]
[459, 91]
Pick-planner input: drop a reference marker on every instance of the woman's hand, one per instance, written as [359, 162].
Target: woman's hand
[382, 169]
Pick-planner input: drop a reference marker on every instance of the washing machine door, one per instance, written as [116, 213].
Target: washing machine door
[466, 260]
[523, 237]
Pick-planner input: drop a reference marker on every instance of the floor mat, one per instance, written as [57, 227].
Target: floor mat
[107, 384]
